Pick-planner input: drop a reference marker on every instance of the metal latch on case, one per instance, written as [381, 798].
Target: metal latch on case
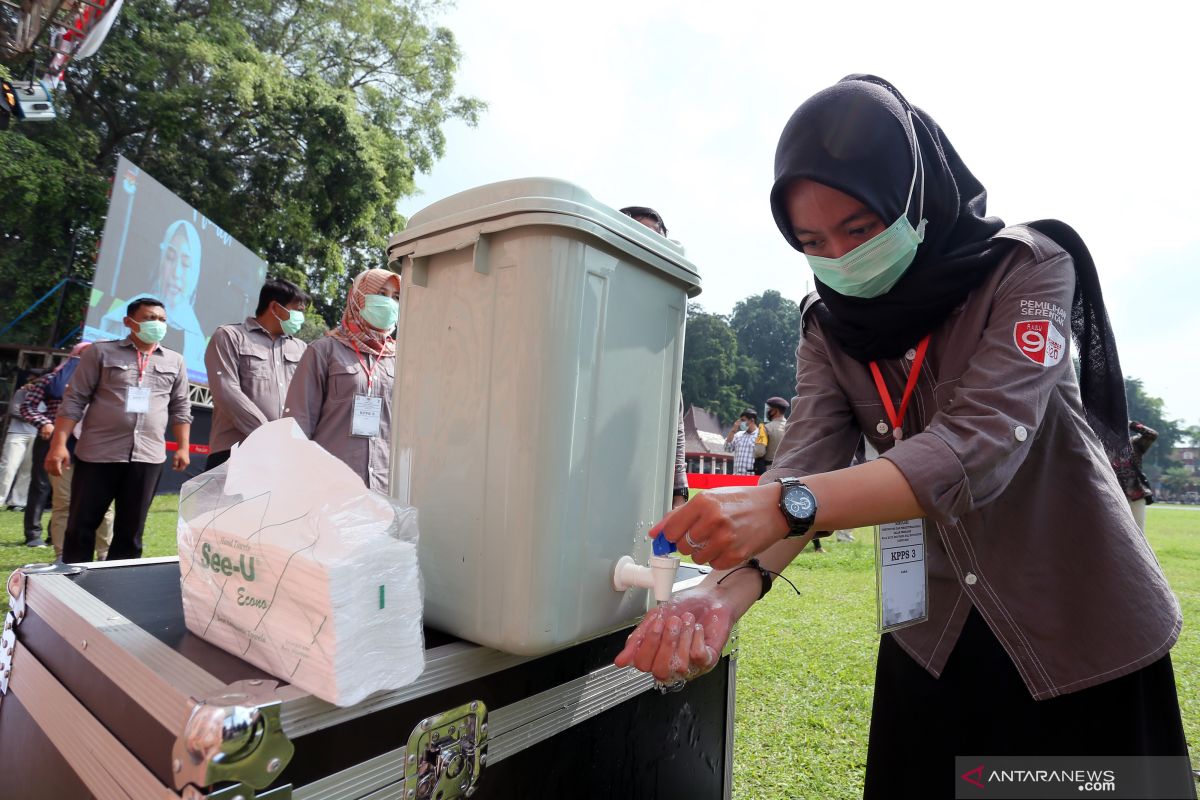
[446, 753]
[235, 736]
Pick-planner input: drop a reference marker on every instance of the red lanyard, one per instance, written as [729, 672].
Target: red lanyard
[368, 372]
[143, 360]
[913, 373]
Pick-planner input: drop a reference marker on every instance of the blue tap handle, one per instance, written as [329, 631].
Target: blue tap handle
[662, 546]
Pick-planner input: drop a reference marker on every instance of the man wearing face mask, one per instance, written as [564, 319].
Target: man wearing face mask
[132, 389]
[742, 441]
[777, 410]
[250, 365]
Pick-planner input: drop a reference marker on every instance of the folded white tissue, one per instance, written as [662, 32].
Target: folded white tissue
[288, 561]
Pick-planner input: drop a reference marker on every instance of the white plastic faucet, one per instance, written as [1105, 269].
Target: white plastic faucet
[659, 576]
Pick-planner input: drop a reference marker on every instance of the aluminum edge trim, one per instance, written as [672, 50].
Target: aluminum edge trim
[519, 725]
[182, 673]
[446, 666]
[512, 729]
[536, 718]
[358, 781]
[153, 675]
[129, 562]
[581, 691]
[101, 763]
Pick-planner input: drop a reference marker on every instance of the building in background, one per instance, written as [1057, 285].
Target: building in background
[1180, 483]
[704, 443]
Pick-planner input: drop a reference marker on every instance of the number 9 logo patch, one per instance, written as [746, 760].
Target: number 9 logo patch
[1040, 341]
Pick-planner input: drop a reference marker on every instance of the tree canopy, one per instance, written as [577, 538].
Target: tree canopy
[737, 362]
[1151, 411]
[711, 364]
[767, 328]
[295, 126]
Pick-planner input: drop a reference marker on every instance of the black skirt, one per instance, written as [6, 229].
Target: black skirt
[981, 707]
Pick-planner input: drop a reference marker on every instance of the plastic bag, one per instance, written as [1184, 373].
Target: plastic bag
[287, 561]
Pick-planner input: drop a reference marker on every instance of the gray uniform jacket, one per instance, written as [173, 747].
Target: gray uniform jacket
[248, 373]
[321, 400]
[17, 426]
[774, 437]
[1024, 517]
[99, 386]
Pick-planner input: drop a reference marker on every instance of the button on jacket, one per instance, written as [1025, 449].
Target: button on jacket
[248, 374]
[321, 399]
[1025, 519]
[106, 371]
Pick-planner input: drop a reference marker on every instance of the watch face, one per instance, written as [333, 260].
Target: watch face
[798, 502]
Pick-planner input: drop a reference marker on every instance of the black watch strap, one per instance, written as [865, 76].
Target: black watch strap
[797, 525]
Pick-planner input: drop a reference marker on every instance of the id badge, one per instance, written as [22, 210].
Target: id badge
[368, 411]
[900, 575]
[137, 400]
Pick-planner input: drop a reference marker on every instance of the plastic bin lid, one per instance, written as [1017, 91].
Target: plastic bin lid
[533, 195]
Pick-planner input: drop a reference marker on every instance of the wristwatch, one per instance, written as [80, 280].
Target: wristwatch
[680, 492]
[799, 506]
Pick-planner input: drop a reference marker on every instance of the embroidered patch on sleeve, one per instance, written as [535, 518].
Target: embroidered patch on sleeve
[1046, 309]
[1040, 341]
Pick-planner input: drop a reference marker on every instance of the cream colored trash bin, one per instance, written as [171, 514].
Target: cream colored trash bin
[539, 354]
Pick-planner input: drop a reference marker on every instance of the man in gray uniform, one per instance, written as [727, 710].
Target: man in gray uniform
[679, 487]
[777, 411]
[250, 365]
[132, 389]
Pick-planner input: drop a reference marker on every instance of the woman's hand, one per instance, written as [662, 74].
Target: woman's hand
[683, 638]
[726, 526]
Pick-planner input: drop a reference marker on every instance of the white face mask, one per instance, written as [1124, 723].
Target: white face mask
[874, 267]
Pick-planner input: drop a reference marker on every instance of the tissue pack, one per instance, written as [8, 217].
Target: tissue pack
[289, 562]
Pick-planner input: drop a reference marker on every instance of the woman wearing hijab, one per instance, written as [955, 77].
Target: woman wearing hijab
[1023, 611]
[341, 393]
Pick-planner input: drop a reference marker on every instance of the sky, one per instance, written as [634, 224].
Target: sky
[1062, 109]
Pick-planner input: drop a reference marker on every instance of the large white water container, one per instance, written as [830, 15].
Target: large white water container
[539, 354]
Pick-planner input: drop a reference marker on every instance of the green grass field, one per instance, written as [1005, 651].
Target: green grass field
[806, 664]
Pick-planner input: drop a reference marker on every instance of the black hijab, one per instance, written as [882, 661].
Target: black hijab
[856, 137]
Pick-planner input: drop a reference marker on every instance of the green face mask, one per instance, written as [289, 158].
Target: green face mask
[151, 331]
[381, 312]
[292, 323]
[874, 267]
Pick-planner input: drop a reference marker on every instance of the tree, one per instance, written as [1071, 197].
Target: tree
[314, 328]
[712, 364]
[767, 328]
[1150, 411]
[52, 200]
[1179, 479]
[1193, 435]
[295, 126]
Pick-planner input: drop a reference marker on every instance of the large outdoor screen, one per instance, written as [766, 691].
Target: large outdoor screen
[158, 246]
